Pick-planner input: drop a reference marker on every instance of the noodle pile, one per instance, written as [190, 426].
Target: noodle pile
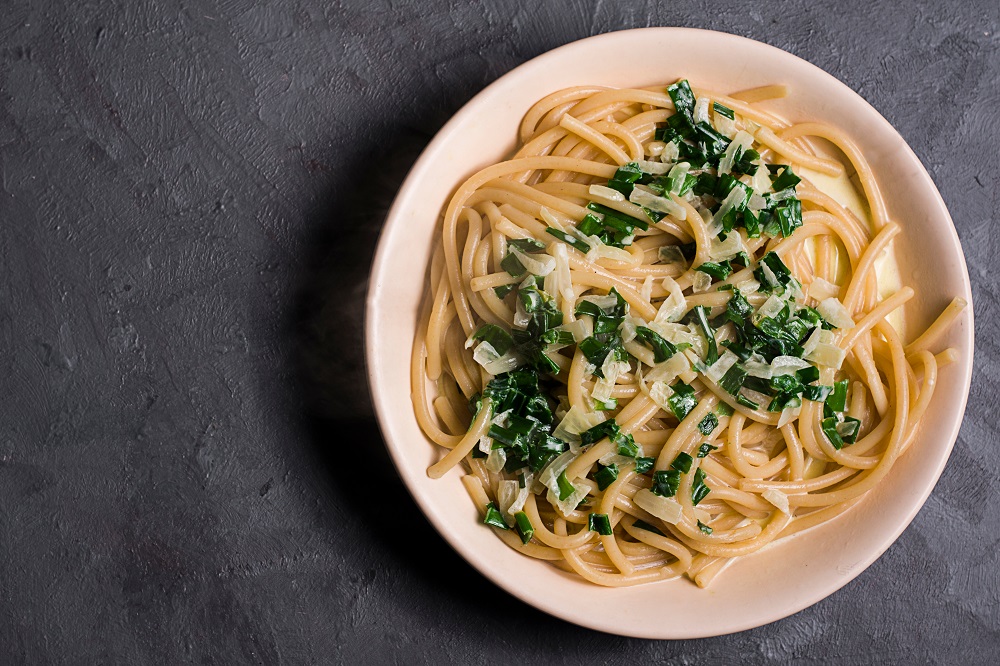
[655, 346]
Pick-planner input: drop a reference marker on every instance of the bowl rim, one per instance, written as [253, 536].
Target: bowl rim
[384, 416]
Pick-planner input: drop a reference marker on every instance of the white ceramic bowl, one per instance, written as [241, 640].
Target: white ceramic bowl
[777, 581]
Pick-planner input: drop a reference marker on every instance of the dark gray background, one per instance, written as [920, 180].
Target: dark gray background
[190, 194]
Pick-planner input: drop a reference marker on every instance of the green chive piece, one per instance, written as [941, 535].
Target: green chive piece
[600, 523]
[606, 476]
[708, 424]
[704, 528]
[705, 449]
[699, 490]
[524, 527]
[494, 518]
[565, 487]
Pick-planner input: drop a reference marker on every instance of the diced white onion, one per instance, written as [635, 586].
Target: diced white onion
[700, 112]
[611, 370]
[788, 414]
[613, 458]
[750, 286]
[756, 202]
[810, 344]
[495, 364]
[771, 307]
[495, 461]
[674, 305]
[732, 199]
[787, 365]
[777, 498]
[821, 289]
[827, 354]
[646, 292]
[537, 264]
[717, 370]
[654, 148]
[656, 168]
[669, 154]
[742, 140]
[668, 370]
[671, 254]
[665, 508]
[550, 474]
[604, 192]
[603, 302]
[485, 444]
[644, 197]
[761, 181]
[568, 505]
[834, 312]
[660, 392]
[627, 330]
[579, 328]
[727, 249]
[725, 125]
[702, 282]
[677, 176]
[575, 422]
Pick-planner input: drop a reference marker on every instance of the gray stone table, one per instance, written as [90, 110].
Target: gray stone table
[190, 194]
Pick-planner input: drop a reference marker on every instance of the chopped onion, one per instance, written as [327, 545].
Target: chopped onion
[665, 508]
[771, 307]
[761, 181]
[670, 153]
[725, 125]
[613, 458]
[787, 365]
[678, 175]
[656, 168]
[605, 192]
[674, 305]
[787, 414]
[769, 276]
[827, 354]
[671, 254]
[496, 460]
[727, 249]
[702, 282]
[777, 498]
[834, 312]
[611, 370]
[575, 422]
[678, 334]
[541, 266]
[750, 286]
[646, 292]
[643, 197]
[579, 328]
[821, 289]
[742, 140]
[549, 476]
[717, 370]
[668, 370]
[495, 364]
[660, 392]
[568, 505]
[485, 444]
[700, 112]
[654, 148]
[734, 197]
[627, 329]
[560, 283]
[756, 202]
[809, 346]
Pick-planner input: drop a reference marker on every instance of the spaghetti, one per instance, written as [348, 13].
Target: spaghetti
[655, 345]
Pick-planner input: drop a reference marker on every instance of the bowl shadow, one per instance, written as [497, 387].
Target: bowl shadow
[327, 320]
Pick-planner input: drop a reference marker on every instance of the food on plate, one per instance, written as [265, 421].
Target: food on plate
[668, 332]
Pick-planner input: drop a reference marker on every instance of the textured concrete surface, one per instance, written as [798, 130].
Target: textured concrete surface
[188, 208]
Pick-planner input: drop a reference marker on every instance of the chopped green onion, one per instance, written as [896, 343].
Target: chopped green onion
[643, 464]
[565, 487]
[503, 290]
[701, 316]
[682, 463]
[494, 518]
[837, 401]
[627, 446]
[609, 429]
[704, 528]
[600, 523]
[785, 179]
[524, 527]
[705, 449]
[723, 111]
[699, 490]
[572, 241]
[662, 350]
[682, 400]
[643, 525]
[666, 482]
[682, 97]
[605, 476]
[495, 336]
[513, 265]
[816, 393]
[527, 245]
[720, 271]
[708, 424]
[732, 381]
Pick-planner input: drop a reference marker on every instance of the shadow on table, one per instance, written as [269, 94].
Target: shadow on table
[328, 321]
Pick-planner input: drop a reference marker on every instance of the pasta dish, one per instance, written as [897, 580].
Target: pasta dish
[667, 333]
